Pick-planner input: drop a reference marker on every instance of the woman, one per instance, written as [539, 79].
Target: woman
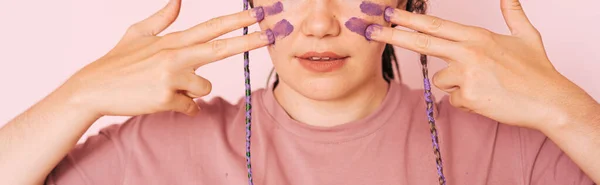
[329, 119]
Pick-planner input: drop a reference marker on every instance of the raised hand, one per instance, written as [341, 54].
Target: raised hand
[146, 73]
[508, 78]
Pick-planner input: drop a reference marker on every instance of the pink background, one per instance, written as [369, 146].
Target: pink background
[44, 42]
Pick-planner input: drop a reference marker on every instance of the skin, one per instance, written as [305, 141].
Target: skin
[154, 69]
[508, 78]
[505, 77]
[326, 99]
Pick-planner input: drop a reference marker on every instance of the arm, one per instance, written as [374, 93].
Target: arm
[35, 141]
[578, 135]
[159, 77]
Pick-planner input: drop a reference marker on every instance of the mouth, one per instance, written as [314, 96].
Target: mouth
[322, 62]
[321, 57]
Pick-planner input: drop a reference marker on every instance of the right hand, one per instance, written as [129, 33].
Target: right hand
[145, 73]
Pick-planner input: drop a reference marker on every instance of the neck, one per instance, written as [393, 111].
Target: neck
[327, 113]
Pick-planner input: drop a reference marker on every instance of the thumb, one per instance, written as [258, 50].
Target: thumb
[515, 18]
[184, 104]
[157, 22]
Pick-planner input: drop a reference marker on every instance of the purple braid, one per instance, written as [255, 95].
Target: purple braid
[248, 93]
[434, 135]
[420, 7]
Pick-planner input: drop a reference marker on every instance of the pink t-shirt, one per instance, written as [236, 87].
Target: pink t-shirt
[392, 146]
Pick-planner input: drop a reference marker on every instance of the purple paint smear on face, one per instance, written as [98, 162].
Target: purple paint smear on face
[357, 25]
[282, 29]
[274, 9]
[371, 8]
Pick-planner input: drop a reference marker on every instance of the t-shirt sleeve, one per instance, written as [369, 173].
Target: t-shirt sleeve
[546, 164]
[98, 160]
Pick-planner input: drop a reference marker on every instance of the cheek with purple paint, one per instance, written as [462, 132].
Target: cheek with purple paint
[282, 28]
[273, 9]
[371, 8]
[358, 25]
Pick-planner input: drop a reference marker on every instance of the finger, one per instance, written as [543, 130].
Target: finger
[195, 86]
[429, 24]
[448, 79]
[418, 42]
[183, 104]
[158, 22]
[215, 27]
[456, 99]
[202, 54]
[515, 18]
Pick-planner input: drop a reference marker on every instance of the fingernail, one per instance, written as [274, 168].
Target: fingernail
[258, 13]
[373, 30]
[268, 36]
[389, 12]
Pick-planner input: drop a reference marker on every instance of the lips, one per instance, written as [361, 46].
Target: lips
[325, 56]
[322, 62]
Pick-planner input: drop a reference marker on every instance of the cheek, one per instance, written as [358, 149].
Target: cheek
[372, 9]
[273, 13]
[357, 25]
[273, 9]
[364, 14]
[282, 29]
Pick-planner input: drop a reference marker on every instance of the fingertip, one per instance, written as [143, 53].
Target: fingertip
[373, 31]
[388, 13]
[175, 2]
[268, 36]
[173, 5]
[258, 13]
[195, 110]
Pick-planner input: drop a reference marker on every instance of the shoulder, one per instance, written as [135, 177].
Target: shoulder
[526, 153]
[156, 132]
[118, 149]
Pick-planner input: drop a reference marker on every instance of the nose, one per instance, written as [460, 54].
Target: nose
[320, 22]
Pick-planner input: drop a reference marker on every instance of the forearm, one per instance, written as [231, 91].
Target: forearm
[34, 142]
[579, 137]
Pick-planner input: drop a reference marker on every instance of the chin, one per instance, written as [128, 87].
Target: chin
[323, 88]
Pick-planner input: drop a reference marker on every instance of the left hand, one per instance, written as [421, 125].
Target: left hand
[508, 78]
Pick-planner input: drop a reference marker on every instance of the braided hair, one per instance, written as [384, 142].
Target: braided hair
[389, 63]
[420, 7]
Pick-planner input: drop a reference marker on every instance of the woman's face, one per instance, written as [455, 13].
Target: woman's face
[320, 49]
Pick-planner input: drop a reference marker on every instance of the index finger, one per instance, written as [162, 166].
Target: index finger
[216, 27]
[415, 41]
[429, 24]
[202, 54]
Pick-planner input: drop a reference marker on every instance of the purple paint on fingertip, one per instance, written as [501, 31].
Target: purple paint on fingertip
[259, 13]
[373, 28]
[371, 8]
[270, 36]
[389, 11]
[282, 29]
[274, 9]
[357, 25]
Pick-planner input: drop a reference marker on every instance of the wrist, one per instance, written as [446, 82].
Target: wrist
[69, 100]
[581, 118]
